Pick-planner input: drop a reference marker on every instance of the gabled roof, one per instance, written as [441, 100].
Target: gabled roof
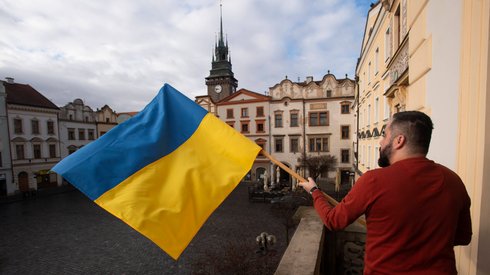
[128, 113]
[314, 82]
[24, 94]
[253, 97]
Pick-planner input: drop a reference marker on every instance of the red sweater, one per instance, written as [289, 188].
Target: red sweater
[416, 211]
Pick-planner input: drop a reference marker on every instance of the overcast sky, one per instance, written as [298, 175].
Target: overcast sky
[120, 52]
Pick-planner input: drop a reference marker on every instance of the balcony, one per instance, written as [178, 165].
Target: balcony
[316, 250]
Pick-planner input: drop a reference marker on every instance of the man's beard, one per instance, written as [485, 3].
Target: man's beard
[384, 155]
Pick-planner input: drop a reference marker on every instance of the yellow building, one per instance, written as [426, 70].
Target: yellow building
[432, 56]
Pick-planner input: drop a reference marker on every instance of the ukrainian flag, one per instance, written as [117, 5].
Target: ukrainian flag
[164, 171]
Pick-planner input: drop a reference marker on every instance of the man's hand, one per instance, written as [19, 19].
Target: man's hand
[308, 185]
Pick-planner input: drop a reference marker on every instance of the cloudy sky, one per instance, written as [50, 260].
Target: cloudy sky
[120, 52]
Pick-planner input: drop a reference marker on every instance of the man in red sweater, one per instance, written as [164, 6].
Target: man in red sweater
[416, 210]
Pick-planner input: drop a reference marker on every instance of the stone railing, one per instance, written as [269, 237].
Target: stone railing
[315, 250]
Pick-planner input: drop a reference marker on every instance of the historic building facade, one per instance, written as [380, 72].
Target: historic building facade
[248, 113]
[34, 137]
[7, 185]
[107, 119]
[77, 124]
[373, 102]
[313, 118]
[433, 57]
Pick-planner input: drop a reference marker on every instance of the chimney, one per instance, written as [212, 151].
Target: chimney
[309, 79]
[10, 80]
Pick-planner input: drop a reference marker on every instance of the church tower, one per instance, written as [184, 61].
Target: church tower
[221, 81]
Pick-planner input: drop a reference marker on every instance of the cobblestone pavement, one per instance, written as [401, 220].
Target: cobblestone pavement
[69, 234]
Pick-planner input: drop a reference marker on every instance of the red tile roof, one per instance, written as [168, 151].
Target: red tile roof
[24, 94]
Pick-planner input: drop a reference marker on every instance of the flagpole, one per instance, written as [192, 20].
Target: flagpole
[331, 200]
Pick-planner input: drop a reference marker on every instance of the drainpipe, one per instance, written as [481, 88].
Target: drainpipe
[357, 122]
[270, 140]
[304, 136]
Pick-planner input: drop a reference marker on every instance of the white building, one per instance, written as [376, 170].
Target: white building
[248, 113]
[34, 137]
[313, 118]
[77, 126]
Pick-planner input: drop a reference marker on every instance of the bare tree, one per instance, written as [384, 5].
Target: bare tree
[317, 164]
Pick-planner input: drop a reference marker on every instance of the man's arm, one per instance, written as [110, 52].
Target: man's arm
[347, 211]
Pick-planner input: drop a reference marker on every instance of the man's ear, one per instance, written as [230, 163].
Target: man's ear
[399, 141]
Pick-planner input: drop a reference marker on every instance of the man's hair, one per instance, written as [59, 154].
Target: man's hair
[416, 127]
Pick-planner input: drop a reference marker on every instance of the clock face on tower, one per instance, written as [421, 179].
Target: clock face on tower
[218, 88]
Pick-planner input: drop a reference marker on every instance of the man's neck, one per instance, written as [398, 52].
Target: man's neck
[402, 156]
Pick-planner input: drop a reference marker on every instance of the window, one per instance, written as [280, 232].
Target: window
[229, 113]
[91, 135]
[231, 124]
[102, 133]
[19, 151]
[369, 157]
[244, 112]
[364, 155]
[52, 150]
[71, 117]
[278, 120]
[319, 119]
[81, 134]
[345, 155]
[345, 108]
[107, 120]
[376, 56]
[369, 114]
[387, 44]
[260, 126]
[369, 72]
[387, 109]
[18, 126]
[345, 129]
[329, 93]
[244, 126]
[376, 110]
[294, 120]
[294, 142]
[71, 134]
[37, 151]
[278, 144]
[397, 27]
[376, 156]
[50, 125]
[35, 126]
[318, 144]
[260, 111]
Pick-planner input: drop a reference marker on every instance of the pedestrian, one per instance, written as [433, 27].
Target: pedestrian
[416, 210]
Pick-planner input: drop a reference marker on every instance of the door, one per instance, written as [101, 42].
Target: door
[23, 182]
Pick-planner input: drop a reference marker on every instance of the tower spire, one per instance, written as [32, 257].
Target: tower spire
[221, 81]
[221, 23]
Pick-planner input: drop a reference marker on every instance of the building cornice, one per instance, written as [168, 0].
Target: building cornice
[31, 109]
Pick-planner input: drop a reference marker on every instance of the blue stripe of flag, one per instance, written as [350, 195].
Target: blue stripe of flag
[163, 125]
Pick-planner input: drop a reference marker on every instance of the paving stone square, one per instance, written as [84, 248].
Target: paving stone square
[67, 233]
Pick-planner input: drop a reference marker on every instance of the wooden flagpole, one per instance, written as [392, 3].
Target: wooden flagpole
[331, 200]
